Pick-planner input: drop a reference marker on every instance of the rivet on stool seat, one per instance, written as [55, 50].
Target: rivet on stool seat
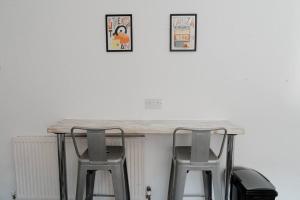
[98, 156]
[197, 157]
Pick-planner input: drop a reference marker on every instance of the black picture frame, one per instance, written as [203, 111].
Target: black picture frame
[171, 32]
[108, 49]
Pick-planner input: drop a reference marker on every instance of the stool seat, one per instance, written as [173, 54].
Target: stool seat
[183, 155]
[114, 155]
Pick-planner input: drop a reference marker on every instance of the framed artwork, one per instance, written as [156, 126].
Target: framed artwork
[183, 32]
[118, 32]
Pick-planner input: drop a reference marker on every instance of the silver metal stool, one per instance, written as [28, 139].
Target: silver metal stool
[98, 156]
[198, 157]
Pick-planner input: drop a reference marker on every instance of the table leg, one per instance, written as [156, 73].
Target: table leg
[63, 187]
[229, 165]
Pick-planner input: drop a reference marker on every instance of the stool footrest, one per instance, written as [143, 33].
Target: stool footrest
[194, 195]
[104, 195]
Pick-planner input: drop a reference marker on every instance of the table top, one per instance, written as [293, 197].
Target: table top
[144, 126]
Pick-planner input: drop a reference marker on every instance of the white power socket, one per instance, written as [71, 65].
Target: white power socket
[153, 104]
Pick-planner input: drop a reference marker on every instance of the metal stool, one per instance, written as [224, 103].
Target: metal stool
[198, 157]
[98, 156]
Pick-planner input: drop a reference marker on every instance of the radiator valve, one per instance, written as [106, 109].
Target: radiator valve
[13, 195]
[148, 193]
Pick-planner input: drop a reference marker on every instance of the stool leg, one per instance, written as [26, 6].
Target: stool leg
[80, 182]
[171, 181]
[207, 183]
[90, 182]
[217, 184]
[118, 184]
[126, 180]
[179, 184]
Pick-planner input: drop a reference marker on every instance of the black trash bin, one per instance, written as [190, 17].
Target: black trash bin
[248, 184]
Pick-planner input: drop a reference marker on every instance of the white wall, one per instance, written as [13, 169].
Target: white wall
[54, 65]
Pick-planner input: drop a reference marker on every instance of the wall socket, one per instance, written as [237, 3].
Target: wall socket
[153, 104]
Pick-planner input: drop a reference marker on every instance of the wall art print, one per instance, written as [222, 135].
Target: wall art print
[118, 32]
[183, 32]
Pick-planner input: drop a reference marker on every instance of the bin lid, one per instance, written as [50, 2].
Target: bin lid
[254, 182]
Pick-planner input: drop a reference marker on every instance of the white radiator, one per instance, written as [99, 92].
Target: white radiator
[36, 167]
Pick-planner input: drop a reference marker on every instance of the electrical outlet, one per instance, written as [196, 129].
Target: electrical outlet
[153, 104]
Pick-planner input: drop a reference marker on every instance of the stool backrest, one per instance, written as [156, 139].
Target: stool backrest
[97, 150]
[96, 145]
[200, 143]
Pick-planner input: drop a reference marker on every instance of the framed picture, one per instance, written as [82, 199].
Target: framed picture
[183, 32]
[118, 32]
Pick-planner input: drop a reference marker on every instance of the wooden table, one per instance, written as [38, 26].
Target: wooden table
[138, 128]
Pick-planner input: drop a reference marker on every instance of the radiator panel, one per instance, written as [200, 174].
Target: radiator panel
[36, 167]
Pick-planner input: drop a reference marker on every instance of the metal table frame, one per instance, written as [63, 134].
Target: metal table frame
[63, 185]
[62, 166]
